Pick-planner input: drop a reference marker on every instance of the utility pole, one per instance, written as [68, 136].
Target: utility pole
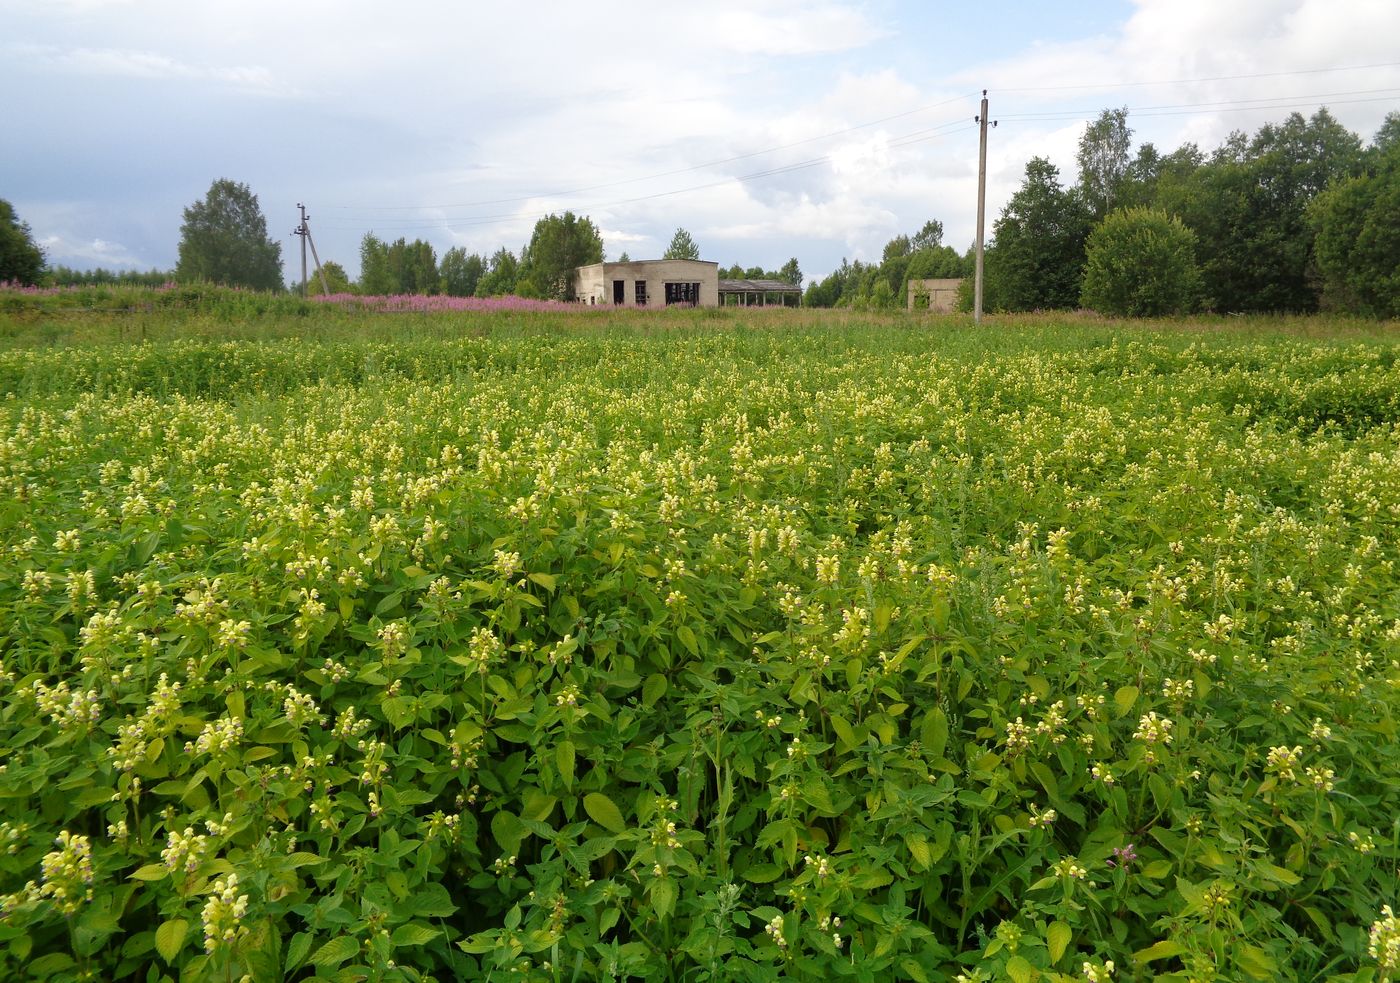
[981, 209]
[303, 231]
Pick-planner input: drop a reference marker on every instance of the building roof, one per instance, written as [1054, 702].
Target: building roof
[758, 286]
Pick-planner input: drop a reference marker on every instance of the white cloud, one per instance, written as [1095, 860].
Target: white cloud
[138, 64]
[60, 250]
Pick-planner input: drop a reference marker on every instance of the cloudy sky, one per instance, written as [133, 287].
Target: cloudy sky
[767, 128]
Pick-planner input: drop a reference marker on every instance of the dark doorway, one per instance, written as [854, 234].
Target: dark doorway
[641, 293]
[619, 291]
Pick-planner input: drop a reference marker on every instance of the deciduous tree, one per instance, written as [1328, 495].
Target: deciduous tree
[224, 240]
[21, 261]
[1103, 160]
[559, 245]
[459, 272]
[1036, 259]
[1140, 262]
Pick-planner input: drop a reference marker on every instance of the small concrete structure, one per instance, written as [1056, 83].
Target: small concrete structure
[942, 294]
[759, 293]
[649, 283]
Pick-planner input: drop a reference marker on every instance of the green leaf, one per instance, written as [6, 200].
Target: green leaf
[564, 761]
[1057, 940]
[653, 689]
[1160, 950]
[546, 580]
[336, 951]
[603, 811]
[297, 950]
[170, 937]
[687, 638]
[1256, 962]
[919, 850]
[150, 872]
[763, 873]
[1125, 698]
[663, 896]
[934, 732]
[414, 934]
[1020, 970]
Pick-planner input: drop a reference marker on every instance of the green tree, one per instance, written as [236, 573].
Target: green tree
[1248, 206]
[682, 247]
[224, 240]
[376, 278]
[500, 275]
[624, 258]
[1357, 247]
[459, 272]
[400, 267]
[1140, 263]
[929, 237]
[791, 272]
[21, 260]
[1103, 160]
[559, 245]
[337, 280]
[1036, 260]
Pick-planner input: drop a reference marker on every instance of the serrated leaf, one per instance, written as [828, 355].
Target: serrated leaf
[663, 896]
[336, 951]
[653, 689]
[1160, 950]
[1020, 970]
[762, 873]
[934, 732]
[1125, 698]
[919, 850]
[603, 811]
[414, 934]
[1256, 962]
[1057, 940]
[687, 638]
[170, 938]
[564, 761]
[297, 949]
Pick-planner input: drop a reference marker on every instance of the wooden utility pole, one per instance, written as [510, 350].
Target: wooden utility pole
[300, 233]
[303, 231]
[981, 210]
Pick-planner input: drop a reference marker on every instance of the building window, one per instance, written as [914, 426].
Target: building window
[683, 293]
[641, 289]
[619, 291]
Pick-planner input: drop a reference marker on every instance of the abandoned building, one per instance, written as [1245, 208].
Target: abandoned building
[649, 283]
[759, 293]
[934, 296]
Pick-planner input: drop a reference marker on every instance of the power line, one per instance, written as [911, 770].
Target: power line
[661, 174]
[1390, 93]
[909, 139]
[1205, 78]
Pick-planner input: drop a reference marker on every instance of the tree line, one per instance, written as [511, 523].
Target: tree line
[1299, 217]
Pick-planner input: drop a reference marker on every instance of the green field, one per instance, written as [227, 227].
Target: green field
[696, 646]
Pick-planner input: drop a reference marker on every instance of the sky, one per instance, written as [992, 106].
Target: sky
[769, 129]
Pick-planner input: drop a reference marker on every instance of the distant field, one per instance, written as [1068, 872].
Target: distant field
[694, 645]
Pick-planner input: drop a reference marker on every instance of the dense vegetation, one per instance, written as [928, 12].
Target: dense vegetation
[695, 646]
[1295, 218]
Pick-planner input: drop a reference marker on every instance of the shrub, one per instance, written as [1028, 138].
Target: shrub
[1141, 262]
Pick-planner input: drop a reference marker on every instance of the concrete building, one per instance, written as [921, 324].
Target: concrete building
[649, 283]
[759, 293]
[942, 295]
